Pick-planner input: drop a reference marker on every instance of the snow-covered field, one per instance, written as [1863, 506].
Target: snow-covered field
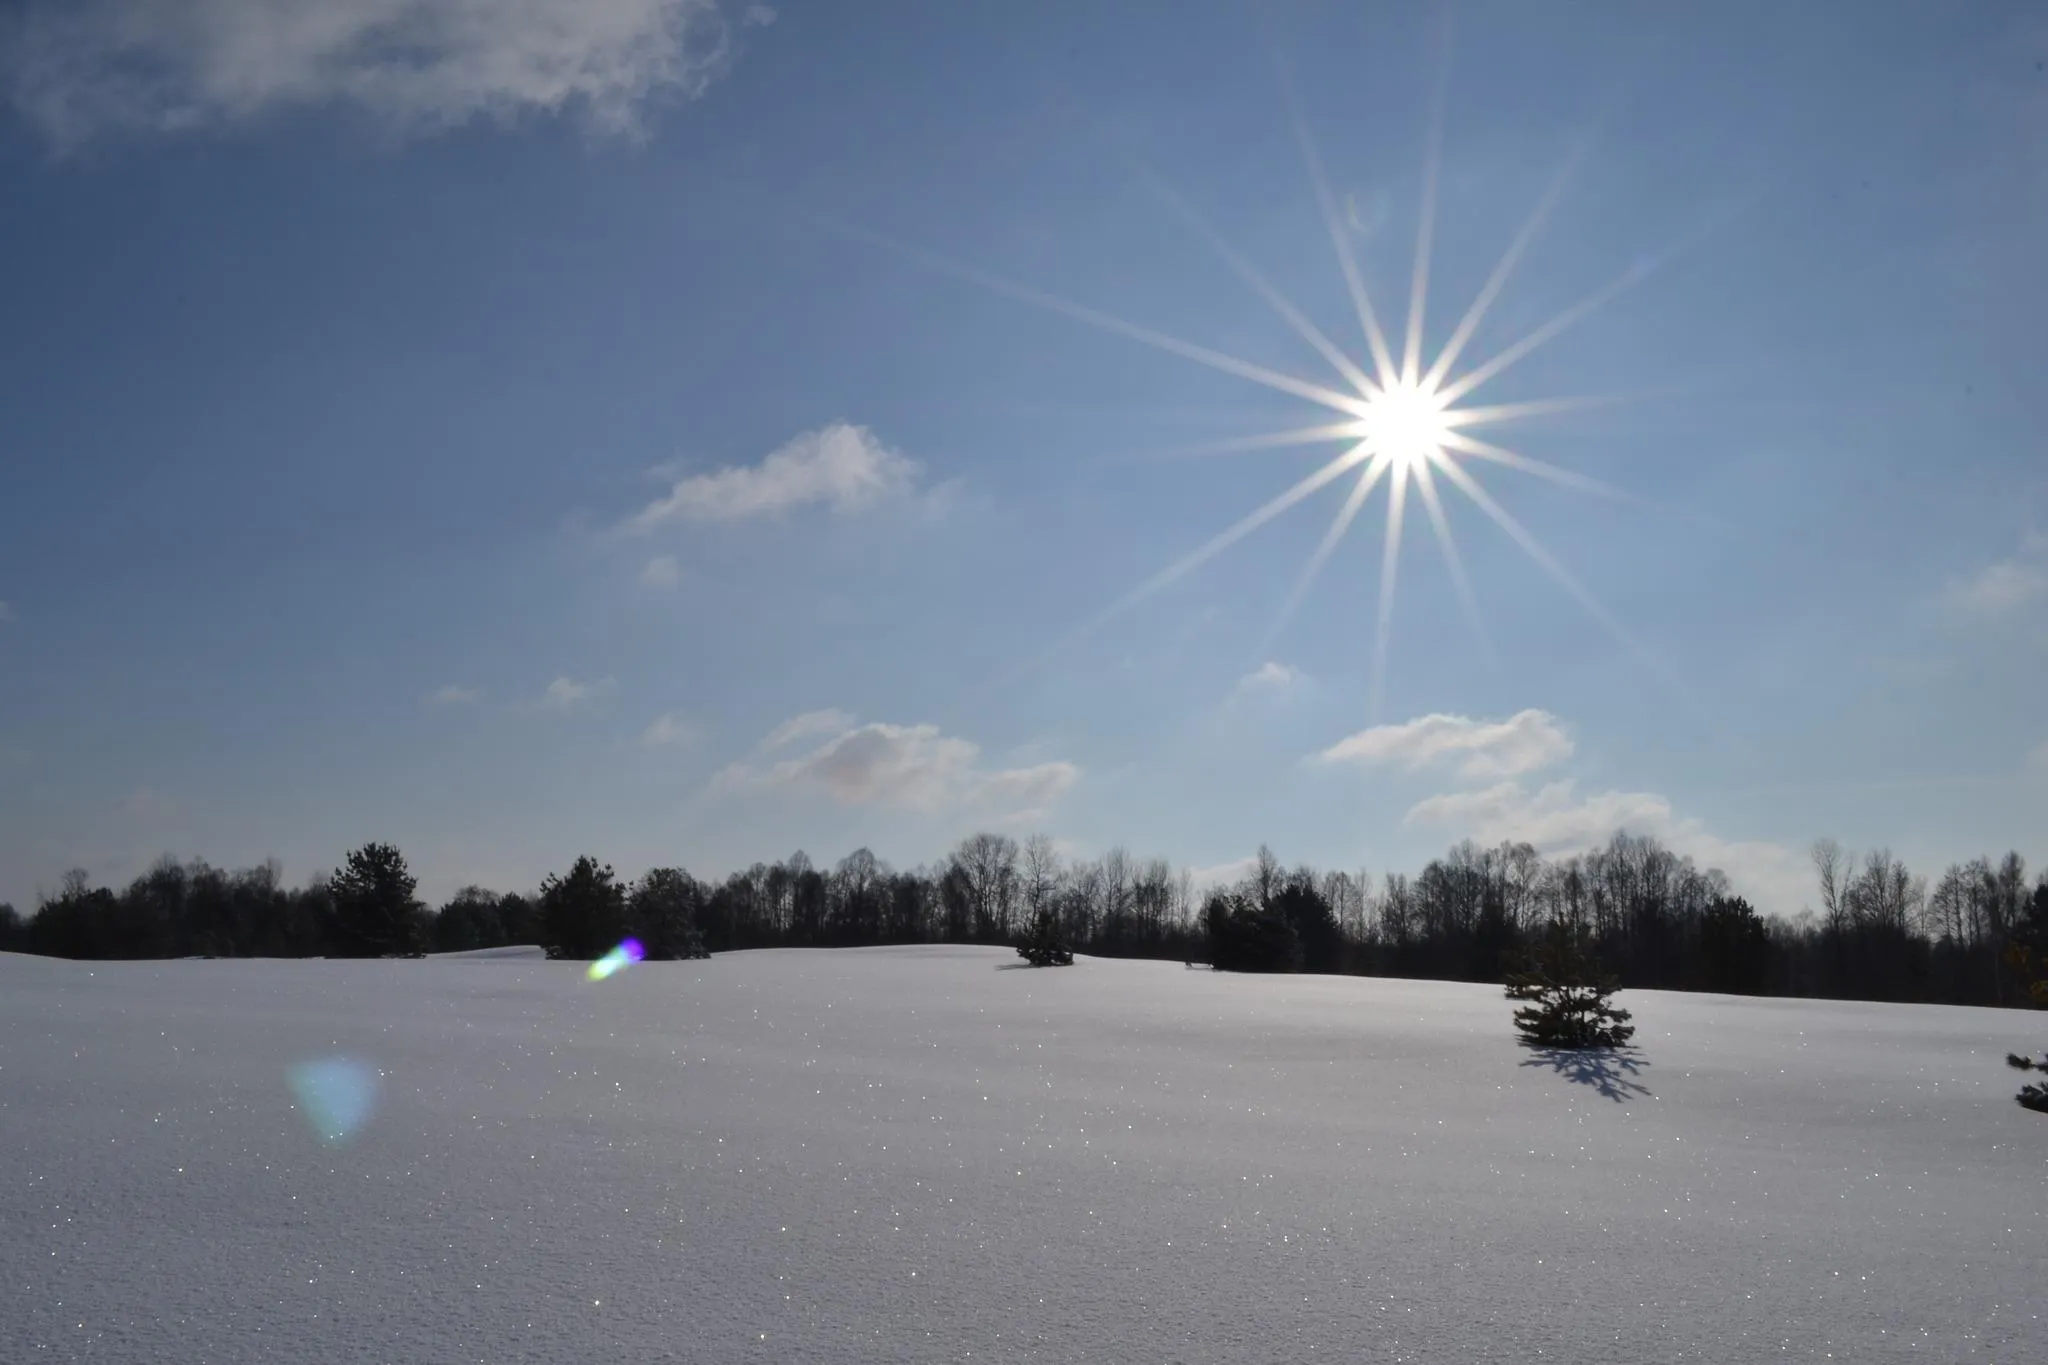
[917, 1154]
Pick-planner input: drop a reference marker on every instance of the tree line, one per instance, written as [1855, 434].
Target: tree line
[1650, 915]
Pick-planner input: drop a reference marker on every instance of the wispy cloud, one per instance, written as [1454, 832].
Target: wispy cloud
[1221, 874]
[455, 695]
[830, 721]
[82, 68]
[1557, 819]
[843, 467]
[1270, 677]
[565, 693]
[2006, 586]
[662, 572]
[908, 766]
[668, 729]
[1522, 743]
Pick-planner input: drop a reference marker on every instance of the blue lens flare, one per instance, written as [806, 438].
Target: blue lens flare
[336, 1094]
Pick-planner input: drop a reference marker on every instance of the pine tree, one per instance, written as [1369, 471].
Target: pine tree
[375, 912]
[1567, 996]
[1043, 945]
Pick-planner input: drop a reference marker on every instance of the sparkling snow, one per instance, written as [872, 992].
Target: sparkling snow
[923, 1154]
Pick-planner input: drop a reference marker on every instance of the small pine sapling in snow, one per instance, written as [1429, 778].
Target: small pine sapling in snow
[1042, 944]
[2034, 1096]
[1567, 997]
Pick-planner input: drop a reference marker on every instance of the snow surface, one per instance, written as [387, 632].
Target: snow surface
[917, 1154]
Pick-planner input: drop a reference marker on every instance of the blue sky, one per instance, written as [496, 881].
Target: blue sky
[589, 425]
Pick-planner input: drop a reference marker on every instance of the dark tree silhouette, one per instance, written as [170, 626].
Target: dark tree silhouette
[583, 914]
[1245, 936]
[1658, 920]
[469, 921]
[1043, 944]
[1734, 948]
[1567, 997]
[662, 913]
[374, 911]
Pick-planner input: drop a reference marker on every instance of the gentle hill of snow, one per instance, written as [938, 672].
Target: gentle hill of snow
[913, 1154]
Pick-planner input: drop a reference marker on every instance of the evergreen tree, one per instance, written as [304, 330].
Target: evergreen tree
[663, 914]
[1043, 945]
[1567, 997]
[583, 914]
[1246, 936]
[1735, 947]
[374, 911]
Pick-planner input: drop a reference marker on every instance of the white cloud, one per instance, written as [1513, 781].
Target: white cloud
[455, 695]
[564, 693]
[1555, 818]
[668, 729]
[1522, 743]
[2007, 586]
[830, 721]
[1558, 820]
[80, 68]
[662, 571]
[1221, 874]
[842, 466]
[1270, 677]
[909, 766]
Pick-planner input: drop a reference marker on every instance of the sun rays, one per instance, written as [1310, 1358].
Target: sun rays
[1402, 420]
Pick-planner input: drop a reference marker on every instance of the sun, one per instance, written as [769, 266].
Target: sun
[1401, 419]
[1408, 423]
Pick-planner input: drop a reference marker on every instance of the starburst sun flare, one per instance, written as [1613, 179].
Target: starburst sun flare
[1401, 423]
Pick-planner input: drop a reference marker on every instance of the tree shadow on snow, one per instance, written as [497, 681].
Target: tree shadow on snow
[1610, 1071]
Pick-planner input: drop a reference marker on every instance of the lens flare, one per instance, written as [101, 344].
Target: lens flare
[617, 960]
[335, 1094]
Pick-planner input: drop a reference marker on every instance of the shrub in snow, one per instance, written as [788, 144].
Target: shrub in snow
[2034, 1096]
[1043, 945]
[1567, 998]
[2021, 956]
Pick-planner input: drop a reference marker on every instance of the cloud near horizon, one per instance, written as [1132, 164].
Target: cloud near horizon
[912, 767]
[79, 69]
[1524, 742]
[842, 466]
[1558, 821]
